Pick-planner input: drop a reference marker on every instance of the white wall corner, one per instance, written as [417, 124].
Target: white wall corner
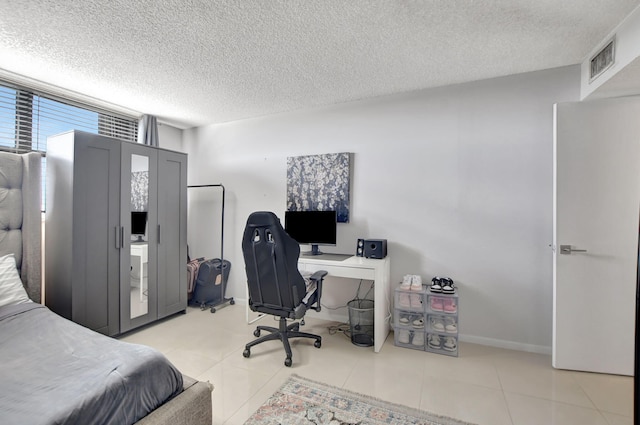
[170, 137]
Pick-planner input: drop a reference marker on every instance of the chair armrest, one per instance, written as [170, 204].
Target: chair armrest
[318, 278]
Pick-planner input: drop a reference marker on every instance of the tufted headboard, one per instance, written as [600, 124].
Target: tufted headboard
[20, 216]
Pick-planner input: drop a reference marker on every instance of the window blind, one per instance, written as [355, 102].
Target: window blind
[28, 117]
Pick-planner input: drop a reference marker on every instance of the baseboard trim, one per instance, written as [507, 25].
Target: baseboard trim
[509, 345]
[240, 301]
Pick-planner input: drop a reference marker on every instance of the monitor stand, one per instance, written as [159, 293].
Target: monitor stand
[314, 251]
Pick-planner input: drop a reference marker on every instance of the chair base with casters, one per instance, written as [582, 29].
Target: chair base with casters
[284, 332]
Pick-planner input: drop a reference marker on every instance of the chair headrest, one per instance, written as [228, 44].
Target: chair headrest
[262, 218]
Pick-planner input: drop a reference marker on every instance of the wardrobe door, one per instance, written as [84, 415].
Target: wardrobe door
[172, 242]
[139, 221]
[96, 207]
[82, 229]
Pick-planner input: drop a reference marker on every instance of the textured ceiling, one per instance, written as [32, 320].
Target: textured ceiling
[195, 62]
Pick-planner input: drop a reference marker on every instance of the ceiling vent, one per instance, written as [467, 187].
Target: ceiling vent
[603, 60]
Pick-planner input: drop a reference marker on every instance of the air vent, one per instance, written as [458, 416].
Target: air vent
[603, 60]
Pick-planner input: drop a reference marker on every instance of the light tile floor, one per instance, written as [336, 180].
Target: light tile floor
[484, 385]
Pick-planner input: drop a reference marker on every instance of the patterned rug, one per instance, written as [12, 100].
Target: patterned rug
[301, 401]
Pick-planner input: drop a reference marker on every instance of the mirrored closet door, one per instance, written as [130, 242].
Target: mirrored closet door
[138, 291]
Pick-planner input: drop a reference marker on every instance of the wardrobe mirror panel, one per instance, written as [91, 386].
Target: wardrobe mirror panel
[139, 235]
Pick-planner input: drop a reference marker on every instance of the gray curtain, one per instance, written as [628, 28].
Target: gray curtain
[148, 131]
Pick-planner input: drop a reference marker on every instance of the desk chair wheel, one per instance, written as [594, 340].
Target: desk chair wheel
[232, 301]
[246, 353]
[256, 333]
[288, 362]
[317, 344]
[213, 309]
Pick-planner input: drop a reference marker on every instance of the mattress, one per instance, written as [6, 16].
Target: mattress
[54, 371]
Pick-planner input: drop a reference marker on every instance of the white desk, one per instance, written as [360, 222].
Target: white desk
[360, 268]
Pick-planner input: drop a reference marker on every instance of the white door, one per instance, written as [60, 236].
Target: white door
[596, 209]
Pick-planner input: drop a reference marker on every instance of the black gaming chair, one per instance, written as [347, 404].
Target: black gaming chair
[275, 284]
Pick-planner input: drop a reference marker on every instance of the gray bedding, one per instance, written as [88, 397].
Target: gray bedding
[53, 371]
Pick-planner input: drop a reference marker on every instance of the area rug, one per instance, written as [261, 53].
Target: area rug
[301, 401]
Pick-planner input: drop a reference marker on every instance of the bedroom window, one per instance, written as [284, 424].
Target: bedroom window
[28, 117]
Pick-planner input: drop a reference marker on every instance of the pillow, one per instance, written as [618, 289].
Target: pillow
[11, 289]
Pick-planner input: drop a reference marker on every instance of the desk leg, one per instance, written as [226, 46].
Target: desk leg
[382, 294]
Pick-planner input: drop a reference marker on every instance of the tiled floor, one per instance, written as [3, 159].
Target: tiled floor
[484, 385]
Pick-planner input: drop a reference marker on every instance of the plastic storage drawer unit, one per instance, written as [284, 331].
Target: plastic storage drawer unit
[425, 320]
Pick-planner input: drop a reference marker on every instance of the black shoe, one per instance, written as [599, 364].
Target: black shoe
[447, 286]
[436, 285]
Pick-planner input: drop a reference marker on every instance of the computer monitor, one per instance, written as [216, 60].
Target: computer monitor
[138, 224]
[311, 227]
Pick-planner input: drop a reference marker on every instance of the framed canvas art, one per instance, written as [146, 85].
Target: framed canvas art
[319, 183]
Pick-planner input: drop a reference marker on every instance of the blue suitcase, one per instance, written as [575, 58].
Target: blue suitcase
[211, 284]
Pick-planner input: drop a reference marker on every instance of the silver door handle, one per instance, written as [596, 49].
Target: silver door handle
[567, 250]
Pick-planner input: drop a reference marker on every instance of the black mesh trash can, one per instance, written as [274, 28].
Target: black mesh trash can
[361, 322]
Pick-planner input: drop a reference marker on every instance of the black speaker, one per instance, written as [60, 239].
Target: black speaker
[360, 248]
[375, 248]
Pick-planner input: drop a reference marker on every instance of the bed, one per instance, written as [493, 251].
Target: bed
[54, 371]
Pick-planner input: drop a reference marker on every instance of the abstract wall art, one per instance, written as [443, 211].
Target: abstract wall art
[319, 183]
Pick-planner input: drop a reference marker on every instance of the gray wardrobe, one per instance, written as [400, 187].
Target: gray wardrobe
[116, 231]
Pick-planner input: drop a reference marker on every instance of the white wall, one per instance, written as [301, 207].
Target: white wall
[170, 137]
[458, 179]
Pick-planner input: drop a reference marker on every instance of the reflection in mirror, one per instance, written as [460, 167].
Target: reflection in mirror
[139, 235]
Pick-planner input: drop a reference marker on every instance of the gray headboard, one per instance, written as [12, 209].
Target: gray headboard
[20, 216]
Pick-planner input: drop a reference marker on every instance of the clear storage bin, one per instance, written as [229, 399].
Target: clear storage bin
[406, 338]
[410, 300]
